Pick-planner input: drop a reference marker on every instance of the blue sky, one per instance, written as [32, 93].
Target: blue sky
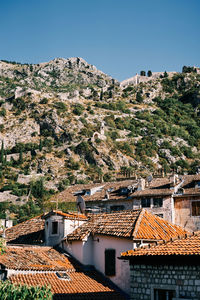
[118, 37]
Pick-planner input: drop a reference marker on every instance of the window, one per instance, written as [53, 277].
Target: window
[62, 275]
[180, 191]
[123, 191]
[198, 184]
[159, 215]
[158, 202]
[195, 208]
[163, 294]
[110, 262]
[146, 202]
[54, 227]
[116, 207]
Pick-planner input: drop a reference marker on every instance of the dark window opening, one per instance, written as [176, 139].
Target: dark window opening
[163, 294]
[159, 215]
[116, 207]
[180, 191]
[198, 184]
[146, 202]
[54, 227]
[158, 202]
[195, 208]
[110, 262]
[63, 275]
[124, 191]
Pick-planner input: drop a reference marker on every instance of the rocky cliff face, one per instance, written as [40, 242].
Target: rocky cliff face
[59, 74]
[69, 122]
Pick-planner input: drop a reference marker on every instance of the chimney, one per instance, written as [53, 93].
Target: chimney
[174, 180]
[141, 184]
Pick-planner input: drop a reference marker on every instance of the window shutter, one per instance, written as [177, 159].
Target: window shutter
[110, 262]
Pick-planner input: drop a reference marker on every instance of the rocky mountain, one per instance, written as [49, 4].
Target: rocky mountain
[67, 122]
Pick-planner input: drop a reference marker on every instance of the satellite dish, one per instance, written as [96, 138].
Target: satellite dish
[80, 203]
[149, 178]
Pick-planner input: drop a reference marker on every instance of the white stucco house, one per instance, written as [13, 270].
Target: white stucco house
[100, 240]
[59, 224]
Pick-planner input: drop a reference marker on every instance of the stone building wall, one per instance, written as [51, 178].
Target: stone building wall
[183, 279]
[183, 213]
[166, 211]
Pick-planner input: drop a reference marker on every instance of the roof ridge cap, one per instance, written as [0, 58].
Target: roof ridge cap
[138, 222]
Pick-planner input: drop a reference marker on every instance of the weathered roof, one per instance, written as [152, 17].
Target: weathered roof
[46, 266]
[68, 194]
[161, 187]
[31, 232]
[34, 258]
[187, 245]
[133, 224]
[82, 285]
[68, 215]
[28, 232]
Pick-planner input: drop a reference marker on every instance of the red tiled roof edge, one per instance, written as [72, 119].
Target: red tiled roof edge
[138, 222]
[134, 252]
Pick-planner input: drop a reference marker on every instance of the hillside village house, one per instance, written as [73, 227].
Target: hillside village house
[59, 224]
[101, 197]
[100, 240]
[167, 271]
[175, 198]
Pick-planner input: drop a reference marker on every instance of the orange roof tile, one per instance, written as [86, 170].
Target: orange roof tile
[81, 285]
[187, 245]
[161, 186]
[68, 215]
[34, 258]
[28, 232]
[68, 194]
[45, 266]
[132, 224]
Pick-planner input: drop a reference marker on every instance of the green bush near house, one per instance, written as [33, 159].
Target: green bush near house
[9, 291]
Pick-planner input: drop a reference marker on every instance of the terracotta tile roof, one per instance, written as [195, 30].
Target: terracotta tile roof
[34, 258]
[187, 245]
[31, 232]
[132, 224]
[161, 186]
[158, 186]
[83, 286]
[68, 194]
[45, 266]
[28, 232]
[68, 215]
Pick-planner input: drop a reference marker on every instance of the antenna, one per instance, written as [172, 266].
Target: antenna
[55, 201]
[80, 202]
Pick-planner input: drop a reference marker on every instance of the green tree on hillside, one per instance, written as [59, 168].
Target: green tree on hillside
[2, 153]
[149, 73]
